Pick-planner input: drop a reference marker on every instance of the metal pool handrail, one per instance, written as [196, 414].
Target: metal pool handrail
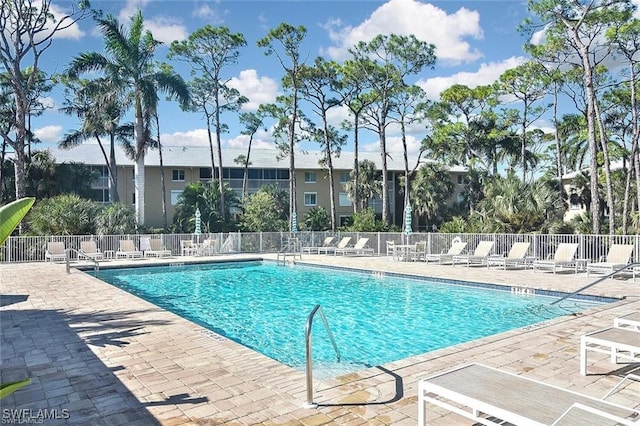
[309, 362]
[96, 264]
[600, 279]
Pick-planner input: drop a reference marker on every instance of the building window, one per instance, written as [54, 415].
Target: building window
[175, 195]
[309, 177]
[178, 175]
[345, 177]
[460, 179]
[205, 173]
[343, 199]
[345, 220]
[310, 198]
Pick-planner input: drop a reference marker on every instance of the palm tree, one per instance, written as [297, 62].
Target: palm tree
[369, 184]
[130, 64]
[93, 102]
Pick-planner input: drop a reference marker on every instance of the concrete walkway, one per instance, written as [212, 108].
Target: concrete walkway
[98, 355]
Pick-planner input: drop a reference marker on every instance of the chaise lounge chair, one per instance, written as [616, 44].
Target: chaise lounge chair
[188, 248]
[153, 247]
[89, 250]
[456, 249]
[517, 256]
[359, 248]
[630, 321]
[479, 255]
[616, 342]
[55, 251]
[315, 249]
[127, 249]
[493, 397]
[564, 257]
[617, 258]
[342, 244]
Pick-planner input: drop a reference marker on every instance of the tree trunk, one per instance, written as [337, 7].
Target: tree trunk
[356, 169]
[162, 181]
[113, 171]
[219, 142]
[385, 188]
[607, 169]
[332, 191]
[139, 171]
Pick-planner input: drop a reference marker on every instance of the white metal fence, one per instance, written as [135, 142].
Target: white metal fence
[592, 247]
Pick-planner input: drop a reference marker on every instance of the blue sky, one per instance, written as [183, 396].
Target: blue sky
[475, 42]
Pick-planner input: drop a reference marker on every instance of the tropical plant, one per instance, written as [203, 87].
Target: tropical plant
[317, 219]
[206, 198]
[366, 221]
[116, 219]
[66, 214]
[10, 216]
[265, 212]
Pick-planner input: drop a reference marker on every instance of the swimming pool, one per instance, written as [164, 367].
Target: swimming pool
[374, 319]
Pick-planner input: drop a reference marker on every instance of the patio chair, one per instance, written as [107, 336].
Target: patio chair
[315, 249]
[188, 248]
[456, 249]
[479, 255]
[419, 252]
[342, 244]
[563, 257]
[617, 258]
[490, 396]
[616, 342]
[391, 248]
[55, 251]
[156, 248]
[359, 248]
[517, 256]
[90, 250]
[207, 248]
[127, 249]
[630, 321]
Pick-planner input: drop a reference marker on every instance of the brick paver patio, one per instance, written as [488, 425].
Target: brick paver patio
[98, 355]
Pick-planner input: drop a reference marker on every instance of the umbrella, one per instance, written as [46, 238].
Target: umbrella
[407, 219]
[198, 222]
[294, 223]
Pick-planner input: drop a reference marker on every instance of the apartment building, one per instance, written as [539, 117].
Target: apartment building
[187, 164]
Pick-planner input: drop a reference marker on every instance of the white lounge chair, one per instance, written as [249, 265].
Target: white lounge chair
[155, 248]
[563, 257]
[90, 250]
[456, 249]
[616, 342]
[517, 256]
[359, 248]
[479, 255]
[127, 249]
[315, 249]
[342, 244]
[618, 257]
[494, 397]
[55, 251]
[630, 321]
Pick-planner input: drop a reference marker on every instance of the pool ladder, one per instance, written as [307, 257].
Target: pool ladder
[292, 248]
[309, 362]
[96, 264]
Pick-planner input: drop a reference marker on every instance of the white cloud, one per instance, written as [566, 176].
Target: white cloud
[411, 17]
[164, 28]
[637, 5]
[259, 90]
[486, 74]
[49, 134]
[198, 137]
[47, 102]
[210, 15]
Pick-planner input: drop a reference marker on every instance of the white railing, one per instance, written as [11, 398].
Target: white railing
[590, 247]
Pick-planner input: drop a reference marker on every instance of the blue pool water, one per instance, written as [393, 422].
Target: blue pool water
[374, 320]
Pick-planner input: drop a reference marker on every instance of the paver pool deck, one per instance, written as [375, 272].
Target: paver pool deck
[98, 355]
